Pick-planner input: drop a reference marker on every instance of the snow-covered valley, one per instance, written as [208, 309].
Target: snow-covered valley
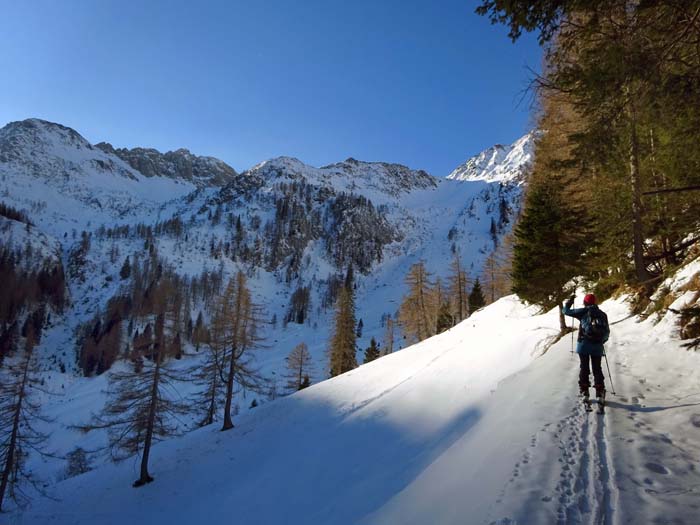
[479, 424]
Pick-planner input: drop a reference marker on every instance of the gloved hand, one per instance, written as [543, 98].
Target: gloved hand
[570, 302]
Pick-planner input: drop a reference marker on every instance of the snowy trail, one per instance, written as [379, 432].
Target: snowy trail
[638, 463]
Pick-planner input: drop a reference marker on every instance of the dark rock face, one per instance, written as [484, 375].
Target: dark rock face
[180, 164]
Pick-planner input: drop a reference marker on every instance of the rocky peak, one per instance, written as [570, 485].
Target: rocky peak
[180, 164]
[499, 163]
[36, 135]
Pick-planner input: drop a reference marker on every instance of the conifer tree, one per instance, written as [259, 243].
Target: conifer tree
[458, 288]
[343, 341]
[19, 412]
[372, 351]
[210, 375]
[143, 403]
[236, 331]
[125, 271]
[299, 366]
[416, 308]
[445, 320]
[476, 297]
[389, 336]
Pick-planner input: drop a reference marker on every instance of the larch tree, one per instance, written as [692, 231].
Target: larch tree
[416, 308]
[236, 332]
[19, 413]
[457, 288]
[299, 367]
[389, 335]
[143, 405]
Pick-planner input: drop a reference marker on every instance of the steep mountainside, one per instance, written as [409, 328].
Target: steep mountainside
[499, 163]
[177, 165]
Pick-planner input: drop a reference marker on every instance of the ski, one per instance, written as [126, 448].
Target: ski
[601, 404]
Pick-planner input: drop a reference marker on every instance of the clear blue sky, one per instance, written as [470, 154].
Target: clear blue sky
[426, 83]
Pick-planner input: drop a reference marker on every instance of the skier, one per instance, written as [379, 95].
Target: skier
[593, 333]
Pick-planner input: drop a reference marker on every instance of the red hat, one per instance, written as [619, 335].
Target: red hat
[589, 299]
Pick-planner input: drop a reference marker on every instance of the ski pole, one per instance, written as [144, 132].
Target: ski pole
[572, 336]
[609, 374]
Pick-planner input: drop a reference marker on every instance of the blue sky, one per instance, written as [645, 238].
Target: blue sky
[425, 83]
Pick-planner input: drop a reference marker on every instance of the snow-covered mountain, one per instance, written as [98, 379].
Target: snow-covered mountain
[289, 226]
[180, 164]
[499, 163]
[65, 183]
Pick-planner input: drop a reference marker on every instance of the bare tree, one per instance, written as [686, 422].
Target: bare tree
[236, 332]
[415, 313]
[18, 414]
[144, 405]
[299, 366]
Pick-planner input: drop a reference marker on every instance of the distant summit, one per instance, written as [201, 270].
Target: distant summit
[499, 163]
[180, 164]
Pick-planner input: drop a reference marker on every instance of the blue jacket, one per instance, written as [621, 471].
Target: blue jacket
[585, 346]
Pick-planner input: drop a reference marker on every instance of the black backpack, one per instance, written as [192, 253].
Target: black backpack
[594, 325]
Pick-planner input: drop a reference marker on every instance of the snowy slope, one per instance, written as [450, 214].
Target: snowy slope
[65, 183]
[39, 249]
[480, 424]
[499, 163]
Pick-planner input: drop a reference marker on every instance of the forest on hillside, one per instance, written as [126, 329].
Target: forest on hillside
[614, 193]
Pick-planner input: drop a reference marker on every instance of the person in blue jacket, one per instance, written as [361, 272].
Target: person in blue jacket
[592, 335]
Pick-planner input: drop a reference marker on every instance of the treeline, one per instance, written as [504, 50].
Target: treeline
[613, 195]
[14, 214]
[26, 294]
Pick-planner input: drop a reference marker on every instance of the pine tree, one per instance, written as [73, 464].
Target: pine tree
[445, 321]
[299, 366]
[372, 351]
[125, 272]
[343, 341]
[416, 308]
[476, 297]
[19, 412]
[626, 70]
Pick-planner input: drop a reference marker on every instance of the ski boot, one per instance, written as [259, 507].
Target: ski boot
[600, 395]
[586, 399]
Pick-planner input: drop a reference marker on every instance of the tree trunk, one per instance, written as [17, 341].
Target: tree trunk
[562, 322]
[228, 423]
[145, 476]
[637, 227]
[9, 462]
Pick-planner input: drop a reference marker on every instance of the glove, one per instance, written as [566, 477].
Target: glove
[570, 302]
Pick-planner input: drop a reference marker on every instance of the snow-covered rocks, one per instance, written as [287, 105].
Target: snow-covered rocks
[499, 163]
